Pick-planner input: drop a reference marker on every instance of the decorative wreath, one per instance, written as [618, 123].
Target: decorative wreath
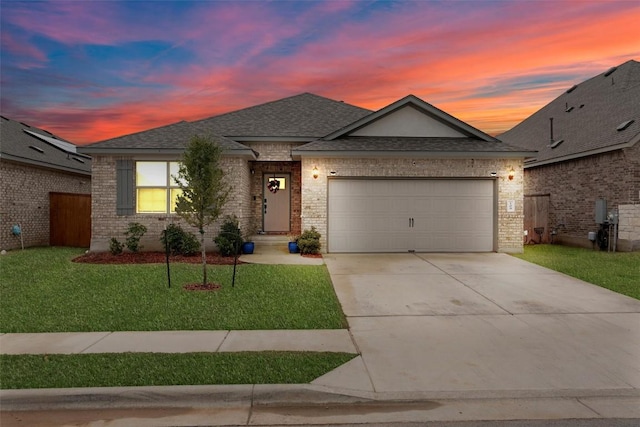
[273, 185]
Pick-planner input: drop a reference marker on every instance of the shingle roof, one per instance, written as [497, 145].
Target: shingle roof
[302, 117]
[585, 118]
[410, 145]
[173, 137]
[22, 143]
[305, 116]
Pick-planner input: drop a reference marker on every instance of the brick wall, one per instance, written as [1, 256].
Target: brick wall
[25, 200]
[575, 185]
[106, 224]
[510, 225]
[629, 228]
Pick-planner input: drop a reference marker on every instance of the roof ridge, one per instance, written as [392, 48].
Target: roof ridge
[275, 101]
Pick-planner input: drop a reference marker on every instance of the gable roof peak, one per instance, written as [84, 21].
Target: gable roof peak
[421, 105]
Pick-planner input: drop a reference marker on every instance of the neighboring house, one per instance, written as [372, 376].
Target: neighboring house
[37, 169]
[588, 149]
[408, 177]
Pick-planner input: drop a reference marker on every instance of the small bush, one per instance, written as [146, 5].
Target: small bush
[229, 240]
[115, 247]
[180, 242]
[309, 242]
[134, 233]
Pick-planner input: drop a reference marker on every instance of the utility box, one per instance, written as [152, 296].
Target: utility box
[601, 211]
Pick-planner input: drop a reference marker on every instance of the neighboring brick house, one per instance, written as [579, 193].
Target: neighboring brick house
[33, 165]
[408, 177]
[588, 148]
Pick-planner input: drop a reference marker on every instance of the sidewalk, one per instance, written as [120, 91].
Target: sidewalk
[334, 340]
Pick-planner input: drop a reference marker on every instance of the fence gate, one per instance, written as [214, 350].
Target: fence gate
[536, 216]
[70, 219]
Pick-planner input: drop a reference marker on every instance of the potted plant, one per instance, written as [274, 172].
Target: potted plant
[248, 246]
[293, 244]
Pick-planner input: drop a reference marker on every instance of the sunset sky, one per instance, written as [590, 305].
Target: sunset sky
[92, 70]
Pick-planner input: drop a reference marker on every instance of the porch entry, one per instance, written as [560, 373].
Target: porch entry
[276, 206]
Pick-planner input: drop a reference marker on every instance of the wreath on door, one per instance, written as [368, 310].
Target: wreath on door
[273, 185]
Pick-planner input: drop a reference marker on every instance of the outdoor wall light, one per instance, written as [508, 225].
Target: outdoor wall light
[512, 173]
[494, 174]
[315, 172]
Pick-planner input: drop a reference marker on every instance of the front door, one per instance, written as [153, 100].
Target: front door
[276, 207]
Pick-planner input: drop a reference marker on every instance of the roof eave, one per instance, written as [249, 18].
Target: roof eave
[582, 154]
[248, 153]
[298, 154]
[51, 166]
[241, 139]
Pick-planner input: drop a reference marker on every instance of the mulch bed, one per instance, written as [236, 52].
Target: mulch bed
[201, 287]
[312, 255]
[213, 258]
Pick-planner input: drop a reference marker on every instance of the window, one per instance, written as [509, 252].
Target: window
[156, 190]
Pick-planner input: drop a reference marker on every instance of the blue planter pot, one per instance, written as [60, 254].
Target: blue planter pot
[247, 247]
[293, 248]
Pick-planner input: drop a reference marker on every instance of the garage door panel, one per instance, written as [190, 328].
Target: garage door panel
[375, 215]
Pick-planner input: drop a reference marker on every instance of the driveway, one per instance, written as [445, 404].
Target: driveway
[481, 325]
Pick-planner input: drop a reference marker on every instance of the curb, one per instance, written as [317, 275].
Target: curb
[262, 395]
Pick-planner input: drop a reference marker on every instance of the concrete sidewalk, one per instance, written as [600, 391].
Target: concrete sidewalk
[334, 340]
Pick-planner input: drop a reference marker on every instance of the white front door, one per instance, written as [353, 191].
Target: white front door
[276, 206]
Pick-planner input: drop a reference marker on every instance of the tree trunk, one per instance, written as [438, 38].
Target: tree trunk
[204, 259]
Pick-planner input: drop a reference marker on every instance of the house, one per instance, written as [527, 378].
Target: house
[408, 177]
[45, 189]
[588, 147]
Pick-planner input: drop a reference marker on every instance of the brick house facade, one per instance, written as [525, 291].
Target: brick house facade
[304, 138]
[612, 176]
[31, 167]
[25, 201]
[588, 144]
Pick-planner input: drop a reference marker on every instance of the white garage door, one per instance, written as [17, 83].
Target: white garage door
[400, 215]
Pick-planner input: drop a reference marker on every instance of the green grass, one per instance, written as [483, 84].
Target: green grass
[142, 369]
[41, 290]
[619, 272]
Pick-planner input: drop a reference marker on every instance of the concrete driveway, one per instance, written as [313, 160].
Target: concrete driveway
[481, 325]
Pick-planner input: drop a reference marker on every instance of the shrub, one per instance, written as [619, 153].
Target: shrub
[134, 233]
[180, 242]
[309, 242]
[229, 240]
[115, 247]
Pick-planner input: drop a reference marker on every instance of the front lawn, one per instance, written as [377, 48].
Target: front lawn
[619, 272]
[42, 290]
[144, 369]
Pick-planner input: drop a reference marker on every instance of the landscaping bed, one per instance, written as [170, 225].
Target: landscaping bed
[213, 258]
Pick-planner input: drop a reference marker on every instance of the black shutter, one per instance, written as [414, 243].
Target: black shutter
[124, 187]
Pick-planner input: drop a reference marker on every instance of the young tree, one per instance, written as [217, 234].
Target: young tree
[204, 191]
